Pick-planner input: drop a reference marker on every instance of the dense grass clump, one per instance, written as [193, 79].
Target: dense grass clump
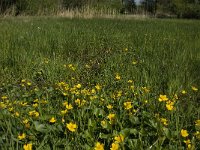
[99, 84]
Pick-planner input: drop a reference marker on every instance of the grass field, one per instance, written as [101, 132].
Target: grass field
[99, 84]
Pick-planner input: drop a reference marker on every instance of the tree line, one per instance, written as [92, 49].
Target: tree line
[159, 8]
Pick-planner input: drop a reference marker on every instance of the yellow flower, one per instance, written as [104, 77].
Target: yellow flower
[17, 114]
[78, 102]
[29, 83]
[98, 87]
[99, 146]
[146, 90]
[78, 86]
[163, 98]
[197, 134]
[22, 136]
[183, 92]
[119, 138]
[69, 106]
[128, 105]
[4, 97]
[194, 88]
[109, 106]
[170, 105]
[130, 81]
[117, 77]
[187, 142]
[114, 146]
[103, 123]
[134, 62]
[52, 120]
[25, 121]
[28, 146]
[184, 133]
[63, 112]
[111, 116]
[34, 113]
[35, 105]
[197, 122]
[71, 126]
[164, 121]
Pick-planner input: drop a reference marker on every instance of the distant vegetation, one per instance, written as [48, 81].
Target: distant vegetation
[158, 8]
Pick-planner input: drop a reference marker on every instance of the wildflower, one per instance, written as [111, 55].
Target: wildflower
[183, 92]
[132, 87]
[111, 116]
[17, 114]
[134, 62]
[194, 88]
[69, 106]
[99, 146]
[35, 105]
[87, 66]
[22, 136]
[29, 83]
[164, 121]
[197, 134]
[28, 146]
[175, 96]
[188, 143]
[23, 80]
[103, 123]
[184, 133]
[114, 146]
[71, 126]
[78, 86]
[98, 87]
[119, 138]
[25, 121]
[4, 97]
[197, 122]
[163, 98]
[119, 93]
[63, 120]
[130, 81]
[128, 105]
[52, 120]
[63, 112]
[170, 105]
[126, 49]
[109, 106]
[145, 89]
[117, 77]
[34, 113]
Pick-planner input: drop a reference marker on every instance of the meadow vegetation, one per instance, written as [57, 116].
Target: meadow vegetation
[99, 84]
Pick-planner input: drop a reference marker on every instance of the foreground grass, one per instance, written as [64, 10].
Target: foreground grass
[85, 84]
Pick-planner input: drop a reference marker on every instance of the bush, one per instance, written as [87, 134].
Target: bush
[192, 11]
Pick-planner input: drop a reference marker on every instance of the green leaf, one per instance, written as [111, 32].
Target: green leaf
[40, 127]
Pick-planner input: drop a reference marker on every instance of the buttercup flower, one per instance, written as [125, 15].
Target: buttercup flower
[184, 133]
[119, 138]
[163, 98]
[22, 136]
[114, 146]
[52, 120]
[111, 116]
[128, 105]
[164, 121]
[99, 146]
[197, 122]
[194, 88]
[28, 146]
[71, 126]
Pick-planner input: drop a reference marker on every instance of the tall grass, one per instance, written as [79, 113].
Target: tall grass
[162, 56]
